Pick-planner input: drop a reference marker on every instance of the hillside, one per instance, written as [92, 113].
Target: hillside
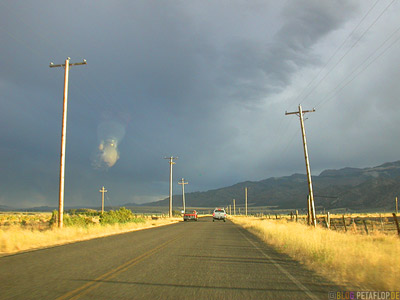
[352, 188]
[6, 208]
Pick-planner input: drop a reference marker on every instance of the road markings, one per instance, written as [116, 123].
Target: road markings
[288, 275]
[86, 288]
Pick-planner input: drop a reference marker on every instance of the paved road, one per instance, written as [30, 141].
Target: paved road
[187, 260]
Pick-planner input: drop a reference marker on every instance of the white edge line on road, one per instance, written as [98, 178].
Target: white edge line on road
[288, 275]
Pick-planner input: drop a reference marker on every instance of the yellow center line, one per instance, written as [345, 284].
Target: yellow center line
[84, 289]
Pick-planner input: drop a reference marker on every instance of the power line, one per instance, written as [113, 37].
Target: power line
[363, 65]
[106, 102]
[348, 51]
[327, 63]
[335, 52]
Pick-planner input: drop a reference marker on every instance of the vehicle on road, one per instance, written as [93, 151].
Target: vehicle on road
[190, 216]
[219, 214]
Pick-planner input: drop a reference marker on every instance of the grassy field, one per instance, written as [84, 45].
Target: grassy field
[362, 223]
[369, 262]
[21, 232]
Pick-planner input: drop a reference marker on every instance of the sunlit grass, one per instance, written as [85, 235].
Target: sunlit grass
[353, 260]
[15, 238]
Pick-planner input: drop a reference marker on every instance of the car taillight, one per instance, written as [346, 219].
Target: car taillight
[213, 214]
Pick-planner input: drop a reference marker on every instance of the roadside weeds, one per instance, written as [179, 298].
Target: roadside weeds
[15, 239]
[369, 262]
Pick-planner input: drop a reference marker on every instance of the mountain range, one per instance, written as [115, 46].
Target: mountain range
[349, 188]
[353, 188]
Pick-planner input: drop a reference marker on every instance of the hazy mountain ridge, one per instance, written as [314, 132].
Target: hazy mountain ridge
[356, 188]
[6, 208]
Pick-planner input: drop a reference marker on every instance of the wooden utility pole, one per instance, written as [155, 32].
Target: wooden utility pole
[171, 162]
[397, 207]
[245, 199]
[234, 207]
[102, 191]
[182, 182]
[230, 209]
[66, 66]
[301, 113]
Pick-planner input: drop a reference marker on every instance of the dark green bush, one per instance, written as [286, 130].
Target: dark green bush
[84, 217]
[54, 217]
[176, 213]
[77, 220]
[122, 215]
[83, 211]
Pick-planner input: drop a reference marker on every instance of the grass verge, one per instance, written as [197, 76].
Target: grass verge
[16, 238]
[368, 262]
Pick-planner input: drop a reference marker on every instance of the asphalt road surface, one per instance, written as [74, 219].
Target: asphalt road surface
[187, 260]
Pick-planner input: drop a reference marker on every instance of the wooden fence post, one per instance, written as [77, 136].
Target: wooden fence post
[354, 225]
[397, 223]
[344, 223]
[328, 220]
[297, 215]
[366, 227]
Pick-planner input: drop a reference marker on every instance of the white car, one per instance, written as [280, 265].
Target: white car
[219, 214]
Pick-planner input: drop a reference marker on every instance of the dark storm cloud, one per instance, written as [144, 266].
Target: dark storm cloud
[265, 66]
[208, 82]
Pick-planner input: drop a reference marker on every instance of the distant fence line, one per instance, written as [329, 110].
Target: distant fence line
[355, 223]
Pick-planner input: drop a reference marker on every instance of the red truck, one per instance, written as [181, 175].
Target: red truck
[190, 216]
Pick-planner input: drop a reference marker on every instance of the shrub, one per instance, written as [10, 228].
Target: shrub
[176, 213]
[122, 215]
[54, 218]
[83, 211]
[77, 220]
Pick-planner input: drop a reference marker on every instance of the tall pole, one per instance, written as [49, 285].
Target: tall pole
[171, 162]
[308, 210]
[234, 207]
[245, 199]
[182, 182]
[63, 138]
[102, 191]
[301, 113]
[397, 206]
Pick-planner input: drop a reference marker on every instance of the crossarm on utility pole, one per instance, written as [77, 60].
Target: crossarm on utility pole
[297, 112]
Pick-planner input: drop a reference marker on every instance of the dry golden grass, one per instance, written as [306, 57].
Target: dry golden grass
[352, 260]
[29, 219]
[17, 238]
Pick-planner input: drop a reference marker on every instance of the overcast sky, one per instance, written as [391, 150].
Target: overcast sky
[207, 81]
